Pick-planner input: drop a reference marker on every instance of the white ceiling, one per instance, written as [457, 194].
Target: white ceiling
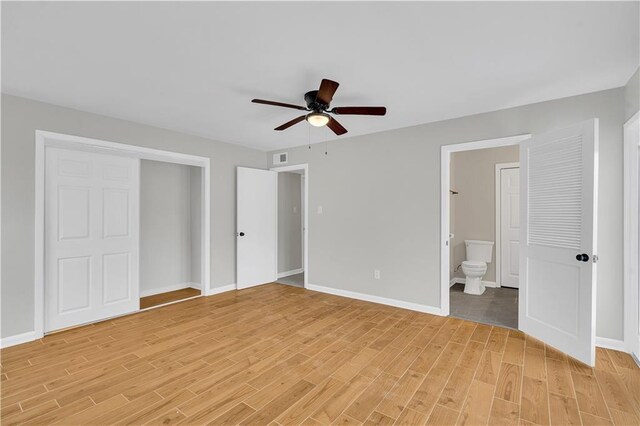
[194, 67]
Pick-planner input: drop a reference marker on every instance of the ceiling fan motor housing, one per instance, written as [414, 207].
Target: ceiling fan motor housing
[318, 106]
[312, 104]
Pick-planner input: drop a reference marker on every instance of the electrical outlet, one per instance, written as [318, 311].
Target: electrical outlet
[376, 274]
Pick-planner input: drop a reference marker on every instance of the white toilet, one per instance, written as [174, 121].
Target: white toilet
[478, 255]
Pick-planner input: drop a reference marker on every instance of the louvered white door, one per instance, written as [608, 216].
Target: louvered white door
[558, 188]
[91, 237]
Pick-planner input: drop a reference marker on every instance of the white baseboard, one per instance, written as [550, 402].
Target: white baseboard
[166, 289]
[615, 344]
[29, 336]
[602, 342]
[288, 273]
[218, 290]
[458, 280]
[376, 299]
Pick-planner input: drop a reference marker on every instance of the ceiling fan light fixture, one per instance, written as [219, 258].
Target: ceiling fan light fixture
[318, 119]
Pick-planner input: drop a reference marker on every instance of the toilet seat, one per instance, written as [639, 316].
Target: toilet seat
[474, 264]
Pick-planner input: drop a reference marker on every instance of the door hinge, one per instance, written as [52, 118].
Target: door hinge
[595, 258]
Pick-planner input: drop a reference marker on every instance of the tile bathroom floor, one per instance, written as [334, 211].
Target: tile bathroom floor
[496, 306]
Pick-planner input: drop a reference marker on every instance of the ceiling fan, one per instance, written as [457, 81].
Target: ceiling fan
[318, 102]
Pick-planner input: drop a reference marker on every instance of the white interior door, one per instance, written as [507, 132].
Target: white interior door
[632, 235]
[91, 237]
[510, 227]
[257, 227]
[635, 298]
[558, 187]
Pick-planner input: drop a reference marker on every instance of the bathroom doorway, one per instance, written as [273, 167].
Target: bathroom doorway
[291, 232]
[483, 241]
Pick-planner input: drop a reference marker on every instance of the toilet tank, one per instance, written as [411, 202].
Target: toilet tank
[479, 250]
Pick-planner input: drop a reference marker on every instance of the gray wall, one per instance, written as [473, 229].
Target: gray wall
[165, 225]
[381, 199]
[632, 95]
[474, 215]
[289, 222]
[21, 117]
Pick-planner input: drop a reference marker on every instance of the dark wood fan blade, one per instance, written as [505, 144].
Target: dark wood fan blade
[290, 123]
[336, 127]
[326, 91]
[280, 104]
[360, 110]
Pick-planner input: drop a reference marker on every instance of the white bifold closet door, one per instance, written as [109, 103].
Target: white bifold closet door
[558, 199]
[91, 237]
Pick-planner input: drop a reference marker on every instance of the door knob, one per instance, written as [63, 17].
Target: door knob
[241, 234]
[583, 257]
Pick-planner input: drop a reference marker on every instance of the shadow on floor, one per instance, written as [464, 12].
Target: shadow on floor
[496, 306]
[296, 280]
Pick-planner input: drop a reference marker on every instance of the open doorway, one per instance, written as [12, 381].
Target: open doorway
[558, 181]
[484, 243]
[292, 225]
[170, 231]
[290, 228]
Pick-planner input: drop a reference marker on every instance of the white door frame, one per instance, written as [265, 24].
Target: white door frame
[631, 229]
[445, 179]
[305, 226]
[44, 139]
[499, 168]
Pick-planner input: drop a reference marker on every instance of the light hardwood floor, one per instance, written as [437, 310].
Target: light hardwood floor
[168, 297]
[276, 354]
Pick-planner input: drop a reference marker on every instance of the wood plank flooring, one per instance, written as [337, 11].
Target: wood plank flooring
[168, 297]
[280, 355]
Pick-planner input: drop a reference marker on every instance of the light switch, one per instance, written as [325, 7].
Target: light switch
[319, 209]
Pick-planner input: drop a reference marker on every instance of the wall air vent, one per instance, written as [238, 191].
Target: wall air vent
[280, 158]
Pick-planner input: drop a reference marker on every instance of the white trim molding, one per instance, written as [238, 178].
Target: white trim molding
[607, 343]
[445, 179]
[168, 288]
[291, 272]
[305, 224]
[44, 139]
[460, 280]
[376, 299]
[18, 339]
[218, 290]
[631, 230]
